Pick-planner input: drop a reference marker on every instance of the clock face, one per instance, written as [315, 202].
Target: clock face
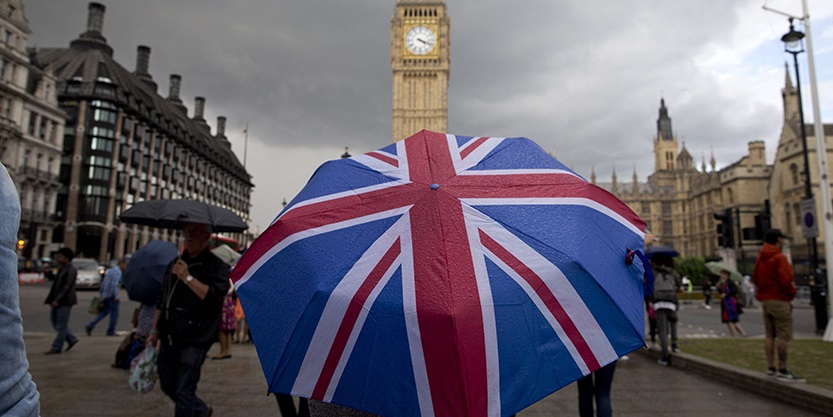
[420, 40]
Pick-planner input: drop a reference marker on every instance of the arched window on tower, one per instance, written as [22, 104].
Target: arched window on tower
[797, 214]
[794, 173]
[788, 214]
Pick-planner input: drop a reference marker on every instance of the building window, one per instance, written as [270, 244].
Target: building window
[797, 213]
[106, 116]
[788, 215]
[33, 123]
[730, 196]
[101, 144]
[95, 200]
[44, 124]
[104, 90]
[794, 173]
[99, 168]
[10, 11]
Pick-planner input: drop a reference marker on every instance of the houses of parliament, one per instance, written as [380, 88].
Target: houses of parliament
[679, 200]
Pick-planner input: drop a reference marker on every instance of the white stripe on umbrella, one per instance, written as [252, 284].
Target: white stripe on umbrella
[313, 232]
[334, 313]
[559, 287]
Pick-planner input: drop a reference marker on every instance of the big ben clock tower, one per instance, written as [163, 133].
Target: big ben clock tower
[419, 57]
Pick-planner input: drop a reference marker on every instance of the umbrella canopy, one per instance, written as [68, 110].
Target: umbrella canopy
[143, 276]
[716, 267]
[175, 214]
[652, 251]
[443, 275]
[227, 254]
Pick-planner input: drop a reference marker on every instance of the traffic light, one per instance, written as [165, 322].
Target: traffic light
[21, 244]
[762, 224]
[725, 229]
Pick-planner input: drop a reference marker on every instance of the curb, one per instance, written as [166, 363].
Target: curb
[799, 394]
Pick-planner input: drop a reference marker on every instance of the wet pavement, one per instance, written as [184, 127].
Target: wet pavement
[82, 383]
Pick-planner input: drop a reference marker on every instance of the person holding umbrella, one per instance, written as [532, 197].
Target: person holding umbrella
[187, 319]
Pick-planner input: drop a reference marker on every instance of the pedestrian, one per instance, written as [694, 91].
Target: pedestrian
[109, 291]
[18, 394]
[227, 325]
[773, 277]
[652, 319]
[596, 385]
[707, 292]
[749, 289]
[665, 303]
[241, 332]
[187, 319]
[61, 298]
[730, 310]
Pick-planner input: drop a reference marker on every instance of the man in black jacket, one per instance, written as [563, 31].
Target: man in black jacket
[187, 319]
[61, 298]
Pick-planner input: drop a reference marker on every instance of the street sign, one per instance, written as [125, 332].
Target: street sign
[809, 223]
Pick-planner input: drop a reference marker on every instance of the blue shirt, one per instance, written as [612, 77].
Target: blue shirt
[111, 284]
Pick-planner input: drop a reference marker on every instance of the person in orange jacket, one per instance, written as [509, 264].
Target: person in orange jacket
[773, 275]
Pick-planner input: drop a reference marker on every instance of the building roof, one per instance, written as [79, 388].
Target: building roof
[89, 63]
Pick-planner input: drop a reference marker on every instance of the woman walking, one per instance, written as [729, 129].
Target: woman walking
[729, 309]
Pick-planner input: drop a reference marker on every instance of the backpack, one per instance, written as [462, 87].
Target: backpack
[129, 348]
[665, 287]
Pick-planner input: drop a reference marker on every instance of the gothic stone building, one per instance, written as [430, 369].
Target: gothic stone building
[125, 143]
[678, 201]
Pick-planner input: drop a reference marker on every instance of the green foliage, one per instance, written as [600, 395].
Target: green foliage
[692, 267]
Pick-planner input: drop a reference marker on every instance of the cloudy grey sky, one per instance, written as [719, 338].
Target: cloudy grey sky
[581, 78]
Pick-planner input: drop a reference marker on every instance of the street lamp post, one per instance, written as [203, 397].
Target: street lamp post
[794, 45]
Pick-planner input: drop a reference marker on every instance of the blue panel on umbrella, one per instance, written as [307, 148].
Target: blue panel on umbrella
[519, 153]
[382, 342]
[336, 177]
[538, 364]
[284, 292]
[579, 233]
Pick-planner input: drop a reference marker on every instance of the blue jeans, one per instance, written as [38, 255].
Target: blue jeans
[179, 373]
[20, 396]
[597, 385]
[111, 307]
[59, 316]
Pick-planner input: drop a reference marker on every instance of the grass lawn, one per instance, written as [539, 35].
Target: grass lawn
[812, 359]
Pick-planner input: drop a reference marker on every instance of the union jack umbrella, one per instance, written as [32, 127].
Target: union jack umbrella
[443, 276]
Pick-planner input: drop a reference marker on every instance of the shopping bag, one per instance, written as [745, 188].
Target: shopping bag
[96, 304]
[143, 370]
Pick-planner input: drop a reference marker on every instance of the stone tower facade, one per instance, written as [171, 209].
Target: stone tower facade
[420, 60]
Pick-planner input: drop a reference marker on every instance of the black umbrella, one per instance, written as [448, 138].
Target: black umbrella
[175, 214]
[661, 250]
[143, 275]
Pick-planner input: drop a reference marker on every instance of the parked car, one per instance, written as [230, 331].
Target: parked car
[89, 273]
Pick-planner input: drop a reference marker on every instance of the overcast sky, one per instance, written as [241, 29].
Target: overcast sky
[582, 78]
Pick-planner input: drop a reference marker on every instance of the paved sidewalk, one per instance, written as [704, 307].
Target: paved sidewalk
[81, 383]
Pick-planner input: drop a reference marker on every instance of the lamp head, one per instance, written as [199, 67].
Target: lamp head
[793, 40]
